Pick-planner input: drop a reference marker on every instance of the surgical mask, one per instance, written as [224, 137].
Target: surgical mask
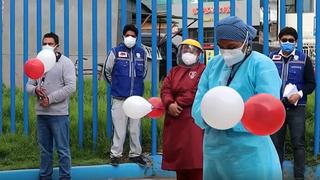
[287, 46]
[129, 41]
[48, 47]
[233, 56]
[189, 58]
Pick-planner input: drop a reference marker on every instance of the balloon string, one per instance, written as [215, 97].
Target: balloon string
[160, 108]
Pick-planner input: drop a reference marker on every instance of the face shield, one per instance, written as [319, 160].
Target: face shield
[188, 55]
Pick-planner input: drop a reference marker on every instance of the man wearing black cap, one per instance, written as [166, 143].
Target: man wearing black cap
[125, 70]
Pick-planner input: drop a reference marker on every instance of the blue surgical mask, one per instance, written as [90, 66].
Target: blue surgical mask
[287, 46]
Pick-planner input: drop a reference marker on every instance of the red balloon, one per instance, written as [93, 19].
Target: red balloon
[263, 114]
[34, 68]
[157, 107]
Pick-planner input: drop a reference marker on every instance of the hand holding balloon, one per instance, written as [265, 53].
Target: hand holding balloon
[40, 91]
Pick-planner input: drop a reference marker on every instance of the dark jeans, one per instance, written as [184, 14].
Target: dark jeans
[55, 128]
[295, 120]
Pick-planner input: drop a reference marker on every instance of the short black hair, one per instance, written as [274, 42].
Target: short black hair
[52, 35]
[130, 27]
[288, 31]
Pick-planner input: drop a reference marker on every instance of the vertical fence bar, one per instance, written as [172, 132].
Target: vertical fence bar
[123, 13]
[12, 68]
[249, 12]
[52, 15]
[169, 35]
[200, 25]
[1, 3]
[138, 24]
[184, 19]
[216, 20]
[299, 24]
[66, 28]
[282, 13]
[265, 27]
[232, 7]
[138, 20]
[154, 87]
[94, 74]
[39, 26]
[25, 58]
[109, 46]
[317, 102]
[80, 72]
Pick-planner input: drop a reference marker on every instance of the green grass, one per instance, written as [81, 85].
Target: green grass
[18, 151]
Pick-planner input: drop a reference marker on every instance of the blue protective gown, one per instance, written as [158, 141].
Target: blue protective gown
[235, 153]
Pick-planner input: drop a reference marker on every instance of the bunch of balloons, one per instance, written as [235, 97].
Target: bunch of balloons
[137, 107]
[36, 67]
[222, 108]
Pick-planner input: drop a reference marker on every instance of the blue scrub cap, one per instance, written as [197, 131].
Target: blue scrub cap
[233, 28]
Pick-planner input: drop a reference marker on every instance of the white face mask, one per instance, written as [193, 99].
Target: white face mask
[129, 41]
[233, 56]
[48, 47]
[189, 58]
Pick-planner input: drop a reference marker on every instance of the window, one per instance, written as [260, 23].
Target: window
[308, 6]
[290, 6]
[208, 34]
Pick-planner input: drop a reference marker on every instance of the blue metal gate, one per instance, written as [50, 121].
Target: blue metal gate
[109, 40]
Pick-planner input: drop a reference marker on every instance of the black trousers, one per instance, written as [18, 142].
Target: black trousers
[295, 121]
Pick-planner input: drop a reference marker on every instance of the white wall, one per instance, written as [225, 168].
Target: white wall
[307, 21]
[73, 36]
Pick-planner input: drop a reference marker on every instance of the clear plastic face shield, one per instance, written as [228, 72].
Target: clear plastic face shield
[188, 55]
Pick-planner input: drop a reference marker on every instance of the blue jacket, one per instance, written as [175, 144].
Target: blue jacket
[291, 71]
[125, 69]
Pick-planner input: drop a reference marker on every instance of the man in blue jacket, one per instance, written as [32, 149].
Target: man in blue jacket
[296, 68]
[125, 70]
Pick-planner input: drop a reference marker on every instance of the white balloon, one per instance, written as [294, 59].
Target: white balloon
[136, 107]
[48, 58]
[222, 107]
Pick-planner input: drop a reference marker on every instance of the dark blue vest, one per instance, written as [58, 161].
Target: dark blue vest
[128, 71]
[292, 71]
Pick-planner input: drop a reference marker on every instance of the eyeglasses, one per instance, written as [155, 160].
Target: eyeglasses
[50, 44]
[287, 40]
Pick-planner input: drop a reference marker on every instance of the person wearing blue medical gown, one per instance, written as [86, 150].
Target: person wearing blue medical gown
[235, 153]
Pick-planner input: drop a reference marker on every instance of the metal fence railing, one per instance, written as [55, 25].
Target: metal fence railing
[110, 39]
